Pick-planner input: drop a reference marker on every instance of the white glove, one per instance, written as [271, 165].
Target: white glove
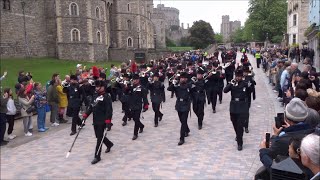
[175, 82]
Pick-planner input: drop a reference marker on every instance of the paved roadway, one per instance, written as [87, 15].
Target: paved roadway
[210, 153]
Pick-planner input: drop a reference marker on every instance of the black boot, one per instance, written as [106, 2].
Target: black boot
[246, 130]
[134, 137]
[95, 160]
[73, 133]
[180, 142]
[160, 117]
[239, 147]
[124, 123]
[109, 148]
[141, 129]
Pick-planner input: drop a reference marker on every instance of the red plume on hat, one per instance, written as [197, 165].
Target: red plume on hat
[95, 72]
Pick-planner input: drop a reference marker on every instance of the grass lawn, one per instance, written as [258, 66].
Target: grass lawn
[42, 68]
[180, 48]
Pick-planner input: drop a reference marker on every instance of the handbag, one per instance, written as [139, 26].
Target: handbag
[31, 109]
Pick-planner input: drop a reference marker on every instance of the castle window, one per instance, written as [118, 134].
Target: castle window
[75, 35]
[129, 42]
[294, 19]
[6, 4]
[73, 9]
[129, 24]
[99, 37]
[98, 12]
[128, 6]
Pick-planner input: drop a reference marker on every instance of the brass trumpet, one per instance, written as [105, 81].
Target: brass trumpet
[177, 74]
[194, 79]
[234, 82]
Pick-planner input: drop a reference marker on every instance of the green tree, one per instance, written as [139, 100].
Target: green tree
[267, 18]
[218, 38]
[201, 34]
[238, 36]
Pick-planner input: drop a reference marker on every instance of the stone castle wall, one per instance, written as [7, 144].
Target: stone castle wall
[12, 39]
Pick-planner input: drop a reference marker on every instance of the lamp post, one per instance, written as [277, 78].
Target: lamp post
[23, 4]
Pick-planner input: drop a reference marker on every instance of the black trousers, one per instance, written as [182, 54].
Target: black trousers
[127, 112]
[213, 99]
[183, 117]
[99, 132]
[137, 123]
[3, 124]
[198, 109]
[220, 94]
[74, 113]
[246, 123]
[258, 62]
[238, 121]
[157, 113]
[10, 120]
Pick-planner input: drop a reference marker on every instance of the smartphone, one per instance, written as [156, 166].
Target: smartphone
[279, 120]
[267, 140]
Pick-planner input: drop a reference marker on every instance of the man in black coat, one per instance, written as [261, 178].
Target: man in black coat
[198, 96]
[295, 127]
[137, 101]
[101, 108]
[74, 92]
[124, 98]
[183, 93]
[249, 78]
[239, 106]
[229, 70]
[157, 95]
[213, 85]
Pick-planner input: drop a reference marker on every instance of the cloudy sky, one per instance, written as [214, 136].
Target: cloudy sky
[208, 10]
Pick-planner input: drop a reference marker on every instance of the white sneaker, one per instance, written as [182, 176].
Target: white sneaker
[28, 134]
[55, 124]
[11, 136]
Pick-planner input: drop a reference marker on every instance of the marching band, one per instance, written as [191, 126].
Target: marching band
[191, 82]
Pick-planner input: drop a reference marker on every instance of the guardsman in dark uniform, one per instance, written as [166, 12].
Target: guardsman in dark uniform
[239, 106]
[137, 101]
[212, 86]
[162, 74]
[249, 78]
[183, 103]
[221, 83]
[229, 70]
[74, 93]
[143, 75]
[190, 71]
[157, 94]
[170, 73]
[124, 99]
[198, 96]
[101, 108]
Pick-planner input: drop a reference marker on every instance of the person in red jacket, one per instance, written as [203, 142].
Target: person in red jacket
[101, 108]
[133, 67]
